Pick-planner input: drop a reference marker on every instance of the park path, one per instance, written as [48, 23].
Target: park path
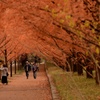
[20, 88]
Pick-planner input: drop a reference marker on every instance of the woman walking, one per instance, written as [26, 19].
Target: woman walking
[4, 74]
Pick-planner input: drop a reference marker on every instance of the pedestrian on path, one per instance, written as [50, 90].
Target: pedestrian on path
[34, 69]
[27, 68]
[4, 74]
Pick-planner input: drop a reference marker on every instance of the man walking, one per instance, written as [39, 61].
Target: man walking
[27, 68]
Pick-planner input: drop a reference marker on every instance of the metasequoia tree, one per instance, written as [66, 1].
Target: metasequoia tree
[83, 28]
[81, 22]
[31, 19]
[53, 29]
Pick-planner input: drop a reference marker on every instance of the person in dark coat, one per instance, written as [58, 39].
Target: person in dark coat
[27, 68]
[34, 69]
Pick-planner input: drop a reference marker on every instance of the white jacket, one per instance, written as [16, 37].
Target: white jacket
[4, 71]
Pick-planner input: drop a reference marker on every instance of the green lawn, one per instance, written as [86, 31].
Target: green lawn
[73, 87]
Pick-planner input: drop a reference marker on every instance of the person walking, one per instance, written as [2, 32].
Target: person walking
[27, 68]
[5, 74]
[34, 69]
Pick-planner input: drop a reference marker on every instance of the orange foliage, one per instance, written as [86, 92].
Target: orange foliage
[49, 28]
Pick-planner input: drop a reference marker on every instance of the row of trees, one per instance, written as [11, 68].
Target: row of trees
[55, 30]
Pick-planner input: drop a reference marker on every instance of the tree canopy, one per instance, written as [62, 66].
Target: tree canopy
[52, 29]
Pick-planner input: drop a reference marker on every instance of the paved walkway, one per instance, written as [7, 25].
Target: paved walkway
[20, 88]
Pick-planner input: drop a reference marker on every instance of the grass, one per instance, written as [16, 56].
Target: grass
[20, 71]
[73, 87]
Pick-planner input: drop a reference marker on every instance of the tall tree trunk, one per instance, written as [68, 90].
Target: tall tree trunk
[98, 75]
[10, 68]
[15, 66]
[0, 74]
[79, 70]
[89, 73]
[5, 55]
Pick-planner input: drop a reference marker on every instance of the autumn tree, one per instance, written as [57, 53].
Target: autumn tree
[53, 29]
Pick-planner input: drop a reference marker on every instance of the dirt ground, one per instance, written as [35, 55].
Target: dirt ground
[20, 88]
